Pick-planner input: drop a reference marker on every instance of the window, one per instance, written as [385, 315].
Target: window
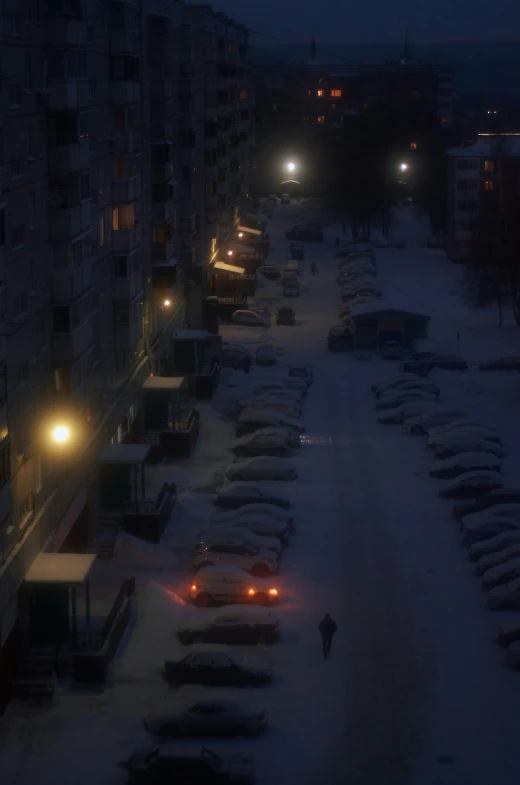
[488, 185]
[22, 373]
[18, 237]
[20, 305]
[61, 319]
[489, 166]
[13, 24]
[413, 145]
[32, 210]
[465, 204]
[121, 266]
[102, 229]
[31, 147]
[335, 93]
[125, 68]
[15, 96]
[16, 167]
[242, 94]
[123, 218]
[161, 233]
[211, 187]
[321, 119]
[319, 93]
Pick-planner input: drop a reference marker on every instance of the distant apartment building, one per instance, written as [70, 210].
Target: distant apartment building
[108, 204]
[473, 170]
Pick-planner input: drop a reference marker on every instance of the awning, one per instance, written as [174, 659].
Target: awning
[68, 569]
[230, 268]
[248, 229]
[242, 248]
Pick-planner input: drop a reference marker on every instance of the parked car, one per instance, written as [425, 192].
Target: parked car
[270, 402]
[379, 387]
[463, 423]
[291, 289]
[266, 441]
[400, 413]
[353, 249]
[219, 668]
[304, 372]
[476, 431]
[237, 536]
[494, 544]
[340, 339]
[285, 387]
[482, 530]
[513, 656]
[261, 468]
[296, 251]
[447, 468]
[229, 586]
[270, 271]
[392, 350]
[490, 560]
[501, 364]
[419, 425]
[260, 523]
[496, 496]
[285, 199]
[253, 419]
[256, 508]
[236, 494]
[266, 355]
[203, 768]
[209, 718]
[239, 626]
[508, 571]
[466, 443]
[504, 597]
[471, 485]
[509, 631]
[511, 510]
[233, 356]
[385, 403]
[220, 552]
[285, 316]
[249, 319]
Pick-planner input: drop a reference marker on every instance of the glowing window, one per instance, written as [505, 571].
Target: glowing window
[321, 118]
[413, 145]
[489, 166]
[320, 93]
[488, 185]
[335, 93]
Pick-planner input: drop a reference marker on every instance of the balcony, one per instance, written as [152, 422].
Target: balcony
[124, 42]
[66, 158]
[234, 177]
[125, 92]
[69, 221]
[161, 252]
[162, 212]
[130, 287]
[223, 162]
[69, 284]
[129, 336]
[67, 94]
[127, 190]
[163, 171]
[126, 141]
[125, 240]
[188, 156]
[161, 89]
[188, 256]
[188, 206]
[211, 201]
[65, 31]
[67, 347]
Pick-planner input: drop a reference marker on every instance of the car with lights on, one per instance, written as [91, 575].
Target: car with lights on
[239, 625]
[222, 668]
[231, 586]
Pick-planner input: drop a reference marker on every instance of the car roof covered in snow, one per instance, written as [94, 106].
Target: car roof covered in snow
[386, 307]
[469, 458]
[473, 478]
[250, 613]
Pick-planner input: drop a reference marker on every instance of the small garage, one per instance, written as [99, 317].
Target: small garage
[375, 323]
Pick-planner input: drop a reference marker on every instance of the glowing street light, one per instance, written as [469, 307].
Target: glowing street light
[61, 434]
[403, 167]
[167, 303]
[241, 234]
[230, 253]
[291, 166]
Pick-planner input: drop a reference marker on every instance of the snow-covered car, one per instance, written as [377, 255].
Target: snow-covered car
[208, 718]
[216, 552]
[261, 524]
[354, 279]
[490, 560]
[256, 508]
[204, 765]
[289, 408]
[471, 484]
[236, 357]
[282, 389]
[400, 413]
[261, 468]
[511, 510]
[236, 494]
[212, 666]
[447, 468]
[351, 296]
[266, 355]
[240, 626]
[305, 372]
[456, 424]
[397, 399]
[494, 544]
[231, 586]
[501, 573]
[482, 530]
[504, 597]
[454, 445]
[477, 431]
[509, 631]
[409, 385]
[379, 388]
[249, 319]
[391, 350]
[266, 441]
[419, 425]
[269, 271]
[232, 534]
[498, 496]
[251, 420]
[285, 199]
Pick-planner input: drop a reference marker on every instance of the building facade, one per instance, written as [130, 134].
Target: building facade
[124, 162]
[473, 170]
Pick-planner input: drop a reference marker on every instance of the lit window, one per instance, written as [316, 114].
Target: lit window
[335, 93]
[321, 119]
[320, 93]
[488, 185]
[489, 166]
[413, 145]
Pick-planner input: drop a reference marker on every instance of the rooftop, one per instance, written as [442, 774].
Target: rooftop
[383, 306]
[165, 382]
[498, 145]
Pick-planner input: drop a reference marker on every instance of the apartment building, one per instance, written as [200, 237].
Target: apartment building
[473, 170]
[103, 217]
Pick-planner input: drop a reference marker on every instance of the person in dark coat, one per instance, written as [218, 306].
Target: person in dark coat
[327, 628]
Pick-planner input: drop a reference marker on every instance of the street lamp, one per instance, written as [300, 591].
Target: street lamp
[167, 302]
[403, 167]
[291, 166]
[241, 234]
[61, 434]
[230, 253]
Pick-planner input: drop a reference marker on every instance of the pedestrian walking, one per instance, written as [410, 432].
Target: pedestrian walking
[327, 628]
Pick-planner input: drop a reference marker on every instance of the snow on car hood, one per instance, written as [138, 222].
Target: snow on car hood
[505, 589]
[474, 459]
[239, 488]
[475, 478]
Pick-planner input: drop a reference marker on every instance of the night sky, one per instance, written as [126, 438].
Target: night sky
[377, 20]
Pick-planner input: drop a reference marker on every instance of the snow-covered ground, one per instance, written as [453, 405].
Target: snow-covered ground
[416, 689]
